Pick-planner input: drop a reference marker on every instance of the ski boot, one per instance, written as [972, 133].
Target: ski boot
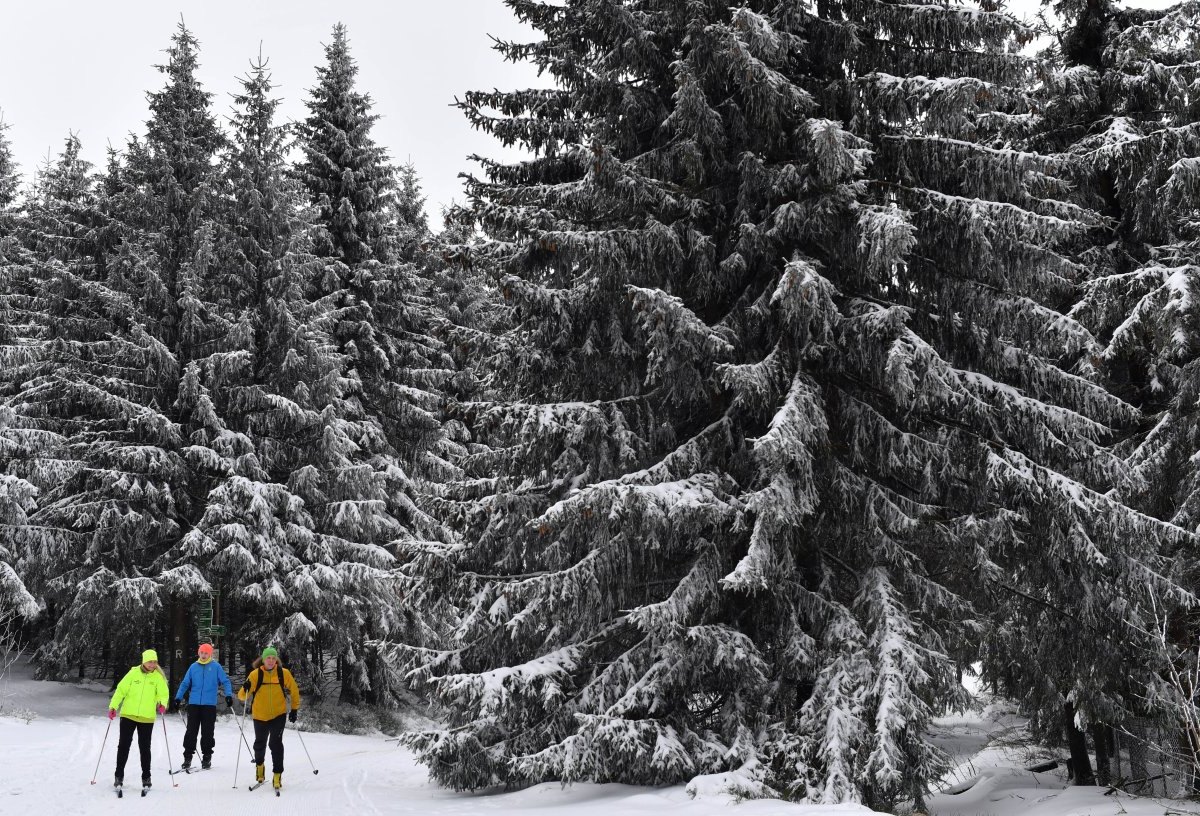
[187, 762]
[206, 762]
[260, 773]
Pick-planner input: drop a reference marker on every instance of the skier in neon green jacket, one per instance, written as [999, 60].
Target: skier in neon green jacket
[141, 695]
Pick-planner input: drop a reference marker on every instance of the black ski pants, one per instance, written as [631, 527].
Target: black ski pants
[200, 718]
[272, 729]
[144, 732]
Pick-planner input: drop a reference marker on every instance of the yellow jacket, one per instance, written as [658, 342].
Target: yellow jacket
[138, 694]
[268, 688]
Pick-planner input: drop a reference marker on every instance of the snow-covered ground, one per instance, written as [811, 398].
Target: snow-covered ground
[46, 764]
[991, 749]
[47, 758]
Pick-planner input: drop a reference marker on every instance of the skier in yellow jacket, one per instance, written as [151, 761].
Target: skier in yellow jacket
[141, 695]
[267, 683]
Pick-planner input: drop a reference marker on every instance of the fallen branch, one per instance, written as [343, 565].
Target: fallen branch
[1120, 786]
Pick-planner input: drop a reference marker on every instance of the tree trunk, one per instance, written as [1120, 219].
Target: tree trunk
[180, 645]
[1100, 739]
[1081, 763]
[1137, 755]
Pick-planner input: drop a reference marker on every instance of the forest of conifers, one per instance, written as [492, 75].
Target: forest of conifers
[811, 356]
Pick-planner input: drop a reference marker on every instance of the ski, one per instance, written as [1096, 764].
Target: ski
[188, 770]
[257, 785]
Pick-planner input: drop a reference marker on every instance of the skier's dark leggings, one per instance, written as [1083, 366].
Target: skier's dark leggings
[200, 718]
[274, 730]
[144, 731]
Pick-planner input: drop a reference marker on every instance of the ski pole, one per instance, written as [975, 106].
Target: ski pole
[170, 764]
[238, 764]
[305, 747]
[102, 744]
[248, 748]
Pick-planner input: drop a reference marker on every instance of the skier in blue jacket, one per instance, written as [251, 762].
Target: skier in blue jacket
[201, 685]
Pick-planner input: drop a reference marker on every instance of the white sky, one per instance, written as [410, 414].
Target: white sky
[86, 65]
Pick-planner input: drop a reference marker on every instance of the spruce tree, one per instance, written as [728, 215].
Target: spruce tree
[382, 316]
[127, 312]
[14, 266]
[300, 520]
[16, 494]
[346, 174]
[171, 197]
[1131, 131]
[10, 179]
[790, 408]
[1119, 113]
[93, 439]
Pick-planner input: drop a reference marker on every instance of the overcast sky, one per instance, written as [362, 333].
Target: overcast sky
[86, 65]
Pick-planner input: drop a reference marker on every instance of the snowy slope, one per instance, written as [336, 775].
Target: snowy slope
[46, 764]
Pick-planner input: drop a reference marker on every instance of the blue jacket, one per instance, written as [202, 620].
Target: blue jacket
[202, 680]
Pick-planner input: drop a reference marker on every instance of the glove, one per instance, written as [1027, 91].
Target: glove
[181, 706]
[160, 708]
[246, 686]
[292, 715]
[112, 713]
[228, 701]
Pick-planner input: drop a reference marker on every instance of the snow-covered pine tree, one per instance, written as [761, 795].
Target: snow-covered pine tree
[171, 195]
[408, 215]
[471, 300]
[17, 500]
[787, 396]
[171, 200]
[135, 296]
[347, 175]
[1120, 109]
[14, 268]
[10, 178]
[1120, 106]
[86, 429]
[381, 314]
[299, 526]
[16, 494]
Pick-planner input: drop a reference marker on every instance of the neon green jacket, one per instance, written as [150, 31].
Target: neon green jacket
[138, 694]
